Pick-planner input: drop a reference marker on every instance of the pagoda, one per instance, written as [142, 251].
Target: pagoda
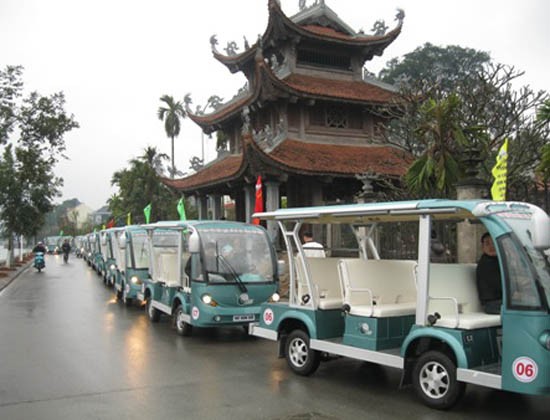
[308, 120]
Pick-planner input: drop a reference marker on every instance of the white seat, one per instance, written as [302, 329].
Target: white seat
[453, 295]
[326, 283]
[168, 269]
[378, 288]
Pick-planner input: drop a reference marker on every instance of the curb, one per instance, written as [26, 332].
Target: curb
[6, 281]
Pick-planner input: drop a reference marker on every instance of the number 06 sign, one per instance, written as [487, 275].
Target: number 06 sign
[525, 369]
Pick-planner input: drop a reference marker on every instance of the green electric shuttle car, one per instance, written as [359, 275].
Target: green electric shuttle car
[109, 249]
[371, 300]
[209, 273]
[131, 252]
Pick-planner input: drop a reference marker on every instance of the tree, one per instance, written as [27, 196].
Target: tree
[436, 170]
[140, 184]
[32, 137]
[171, 115]
[486, 110]
[434, 64]
[543, 169]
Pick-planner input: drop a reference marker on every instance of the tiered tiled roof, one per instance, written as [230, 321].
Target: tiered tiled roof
[302, 158]
[331, 159]
[221, 170]
[339, 89]
[300, 24]
[299, 85]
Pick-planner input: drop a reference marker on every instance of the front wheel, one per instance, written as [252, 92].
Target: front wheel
[434, 380]
[152, 312]
[182, 327]
[299, 356]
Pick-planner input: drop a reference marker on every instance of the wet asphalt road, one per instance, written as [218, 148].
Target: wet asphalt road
[68, 350]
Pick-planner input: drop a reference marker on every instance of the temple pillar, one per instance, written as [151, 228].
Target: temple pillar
[249, 201]
[202, 202]
[216, 206]
[272, 201]
[469, 235]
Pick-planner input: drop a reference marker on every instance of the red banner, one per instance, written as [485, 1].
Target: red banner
[259, 206]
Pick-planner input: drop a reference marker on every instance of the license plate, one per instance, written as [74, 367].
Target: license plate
[243, 318]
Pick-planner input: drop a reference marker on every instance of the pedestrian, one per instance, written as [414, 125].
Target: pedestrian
[311, 248]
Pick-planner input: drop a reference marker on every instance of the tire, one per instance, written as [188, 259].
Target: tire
[152, 312]
[434, 381]
[119, 293]
[183, 328]
[300, 358]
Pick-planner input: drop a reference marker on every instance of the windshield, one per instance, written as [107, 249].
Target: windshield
[521, 225]
[52, 240]
[237, 255]
[139, 252]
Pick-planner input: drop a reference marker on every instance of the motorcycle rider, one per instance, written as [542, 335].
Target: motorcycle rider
[40, 247]
[66, 248]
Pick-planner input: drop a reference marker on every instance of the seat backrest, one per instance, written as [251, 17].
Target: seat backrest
[390, 281]
[454, 280]
[324, 275]
[168, 265]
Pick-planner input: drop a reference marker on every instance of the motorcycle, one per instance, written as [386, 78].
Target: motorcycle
[65, 257]
[39, 262]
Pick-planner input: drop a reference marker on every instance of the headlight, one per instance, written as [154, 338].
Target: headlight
[135, 280]
[207, 300]
[112, 267]
[275, 297]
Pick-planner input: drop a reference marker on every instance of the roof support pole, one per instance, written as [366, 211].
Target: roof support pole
[423, 270]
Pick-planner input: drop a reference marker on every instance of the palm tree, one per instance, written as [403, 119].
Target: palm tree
[171, 114]
[154, 159]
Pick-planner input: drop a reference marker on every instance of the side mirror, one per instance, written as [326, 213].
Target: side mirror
[194, 243]
[541, 230]
[281, 267]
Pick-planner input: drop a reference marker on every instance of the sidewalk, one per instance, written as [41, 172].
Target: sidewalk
[9, 275]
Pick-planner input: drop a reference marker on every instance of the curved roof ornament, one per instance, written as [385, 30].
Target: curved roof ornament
[379, 28]
[213, 43]
[188, 102]
[302, 4]
[400, 16]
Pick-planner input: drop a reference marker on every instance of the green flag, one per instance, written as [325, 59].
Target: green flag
[181, 209]
[129, 218]
[147, 212]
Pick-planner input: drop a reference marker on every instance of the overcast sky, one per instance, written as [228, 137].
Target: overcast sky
[113, 59]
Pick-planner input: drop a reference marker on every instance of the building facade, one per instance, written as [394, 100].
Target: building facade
[308, 120]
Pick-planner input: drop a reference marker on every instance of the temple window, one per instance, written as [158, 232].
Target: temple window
[315, 58]
[336, 117]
